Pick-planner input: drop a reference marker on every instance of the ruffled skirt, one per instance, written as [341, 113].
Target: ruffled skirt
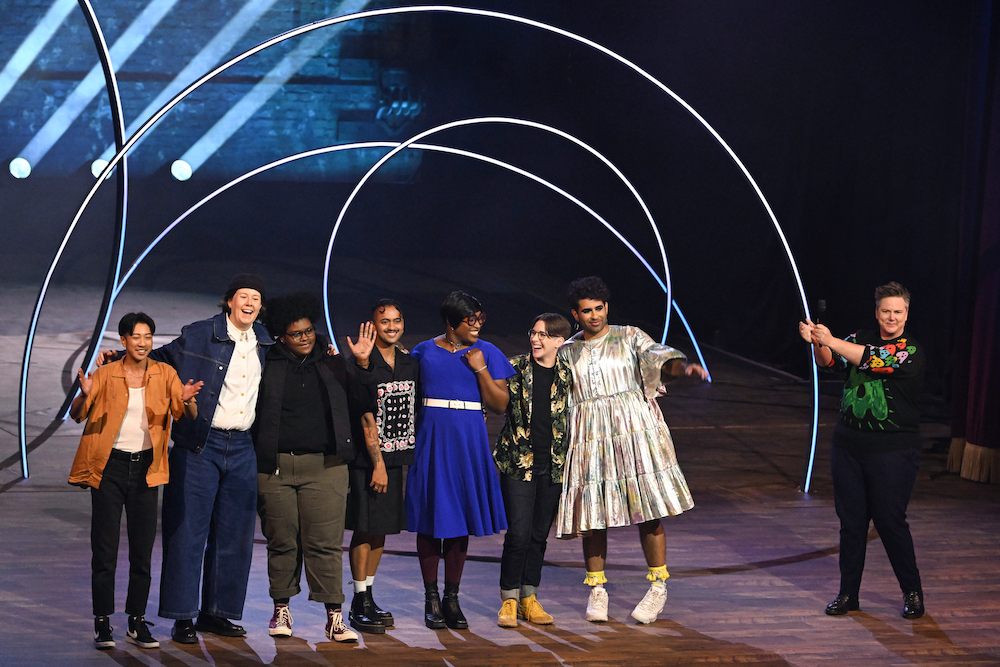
[620, 467]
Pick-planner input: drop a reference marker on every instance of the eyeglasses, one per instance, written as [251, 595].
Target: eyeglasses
[474, 320]
[541, 334]
[299, 335]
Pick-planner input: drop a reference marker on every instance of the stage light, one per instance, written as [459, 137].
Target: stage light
[19, 168]
[180, 170]
[97, 166]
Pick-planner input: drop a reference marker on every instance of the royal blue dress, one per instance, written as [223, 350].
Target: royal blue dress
[453, 489]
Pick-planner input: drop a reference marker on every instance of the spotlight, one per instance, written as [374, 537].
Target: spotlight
[19, 168]
[97, 166]
[180, 170]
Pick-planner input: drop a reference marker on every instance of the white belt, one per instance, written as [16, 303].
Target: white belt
[454, 405]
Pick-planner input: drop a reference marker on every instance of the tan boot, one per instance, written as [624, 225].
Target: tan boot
[530, 609]
[507, 618]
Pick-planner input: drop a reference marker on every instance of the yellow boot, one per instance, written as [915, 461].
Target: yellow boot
[530, 609]
[507, 618]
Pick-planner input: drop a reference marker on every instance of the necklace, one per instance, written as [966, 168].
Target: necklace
[454, 345]
[133, 374]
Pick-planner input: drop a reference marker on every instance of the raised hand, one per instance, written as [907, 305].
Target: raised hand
[86, 382]
[366, 342]
[191, 390]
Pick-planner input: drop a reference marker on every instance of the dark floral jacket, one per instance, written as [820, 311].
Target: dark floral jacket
[512, 452]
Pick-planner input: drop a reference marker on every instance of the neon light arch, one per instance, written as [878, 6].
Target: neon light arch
[430, 147]
[408, 10]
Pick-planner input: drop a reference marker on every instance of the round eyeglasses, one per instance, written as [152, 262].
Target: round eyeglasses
[299, 335]
[478, 319]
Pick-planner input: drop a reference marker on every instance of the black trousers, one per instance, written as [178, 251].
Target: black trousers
[123, 485]
[874, 487]
[531, 509]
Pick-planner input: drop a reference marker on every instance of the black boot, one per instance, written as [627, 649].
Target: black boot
[453, 615]
[432, 606]
[360, 619]
[374, 611]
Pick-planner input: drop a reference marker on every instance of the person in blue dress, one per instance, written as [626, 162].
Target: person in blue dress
[453, 490]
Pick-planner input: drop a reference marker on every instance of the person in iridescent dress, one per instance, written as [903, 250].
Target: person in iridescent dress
[621, 468]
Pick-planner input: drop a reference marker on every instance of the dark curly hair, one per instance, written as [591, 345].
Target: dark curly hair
[382, 304]
[283, 310]
[457, 306]
[590, 287]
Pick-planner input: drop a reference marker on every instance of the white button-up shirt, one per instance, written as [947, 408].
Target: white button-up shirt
[238, 396]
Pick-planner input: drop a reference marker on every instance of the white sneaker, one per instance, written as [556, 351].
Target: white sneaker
[651, 605]
[281, 622]
[597, 605]
[336, 629]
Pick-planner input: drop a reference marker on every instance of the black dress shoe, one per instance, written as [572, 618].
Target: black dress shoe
[842, 604]
[218, 626]
[913, 605]
[377, 612]
[453, 616]
[360, 616]
[183, 632]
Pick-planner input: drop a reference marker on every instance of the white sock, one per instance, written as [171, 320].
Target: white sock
[360, 586]
[369, 580]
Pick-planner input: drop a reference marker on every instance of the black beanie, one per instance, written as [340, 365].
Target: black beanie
[247, 280]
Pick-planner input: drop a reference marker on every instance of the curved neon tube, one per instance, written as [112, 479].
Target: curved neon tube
[456, 10]
[429, 147]
[114, 98]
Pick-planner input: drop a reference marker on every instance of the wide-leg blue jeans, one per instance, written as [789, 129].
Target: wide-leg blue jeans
[209, 518]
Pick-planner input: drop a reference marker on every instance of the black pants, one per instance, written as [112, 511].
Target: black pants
[123, 485]
[874, 487]
[531, 508]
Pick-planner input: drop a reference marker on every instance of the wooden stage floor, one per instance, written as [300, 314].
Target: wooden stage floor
[752, 565]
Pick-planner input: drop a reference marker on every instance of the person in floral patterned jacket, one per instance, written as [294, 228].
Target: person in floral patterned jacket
[530, 454]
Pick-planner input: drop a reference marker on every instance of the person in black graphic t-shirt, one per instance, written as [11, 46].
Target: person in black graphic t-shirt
[375, 506]
[876, 443]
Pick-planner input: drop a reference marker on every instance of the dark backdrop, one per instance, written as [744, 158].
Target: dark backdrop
[850, 115]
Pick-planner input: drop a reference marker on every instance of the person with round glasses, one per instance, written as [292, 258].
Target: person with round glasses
[303, 439]
[530, 454]
[452, 488]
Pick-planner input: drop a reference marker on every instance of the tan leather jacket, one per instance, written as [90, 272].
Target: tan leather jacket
[105, 411]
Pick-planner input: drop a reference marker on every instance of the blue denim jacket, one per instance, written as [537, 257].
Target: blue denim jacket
[202, 352]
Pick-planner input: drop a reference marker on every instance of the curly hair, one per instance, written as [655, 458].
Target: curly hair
[457, 306]
[590, 287]
[382, 304]
[892, 289]
[283, 310]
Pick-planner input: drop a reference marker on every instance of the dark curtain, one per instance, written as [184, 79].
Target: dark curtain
[975, 448]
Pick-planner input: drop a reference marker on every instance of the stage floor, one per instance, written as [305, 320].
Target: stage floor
[752, 565]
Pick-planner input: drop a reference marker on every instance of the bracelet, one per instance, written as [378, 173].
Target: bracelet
[190, 401]
[480, 370]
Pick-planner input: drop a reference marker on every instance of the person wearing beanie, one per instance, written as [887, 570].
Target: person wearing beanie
[209, 506]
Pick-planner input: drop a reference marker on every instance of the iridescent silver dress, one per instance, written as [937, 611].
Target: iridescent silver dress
[620, 467]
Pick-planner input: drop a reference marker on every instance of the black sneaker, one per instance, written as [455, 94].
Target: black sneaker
[139, 634]
[102, 633]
